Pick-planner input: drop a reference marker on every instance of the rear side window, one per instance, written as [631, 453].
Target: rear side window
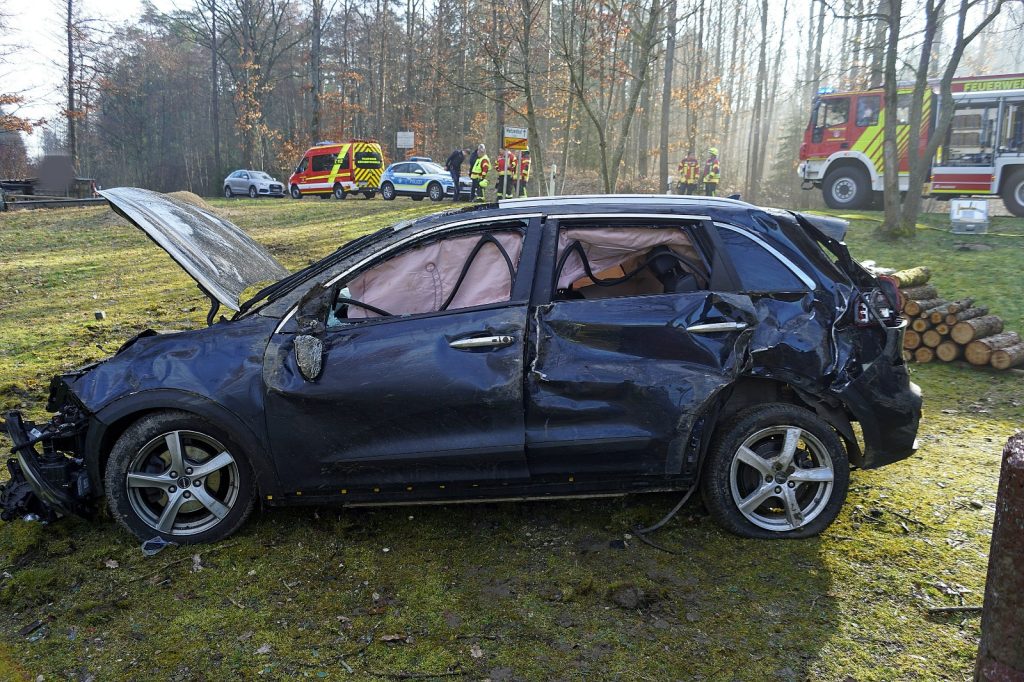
[323, 162]
[757, 268]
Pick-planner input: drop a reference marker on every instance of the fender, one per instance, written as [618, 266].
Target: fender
[253, 443]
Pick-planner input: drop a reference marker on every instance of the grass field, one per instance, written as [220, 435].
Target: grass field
[535, 591]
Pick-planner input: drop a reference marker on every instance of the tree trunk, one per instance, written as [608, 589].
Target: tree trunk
[980, 327]
[666, 96]
[924, 355]
[890, 228]
[979, 352]
[920, 292]
[218, 169]
[1008, 357]
[931, 338]
[911, 339]
[315, 84]
[948, 351]
[968, 314]
[912, 277]
[71, 113]
[753, 156]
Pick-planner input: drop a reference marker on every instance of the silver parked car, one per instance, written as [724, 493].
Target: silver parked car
[254, 183]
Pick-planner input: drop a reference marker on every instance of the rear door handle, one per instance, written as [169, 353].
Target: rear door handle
[482, 342]
[715, 327]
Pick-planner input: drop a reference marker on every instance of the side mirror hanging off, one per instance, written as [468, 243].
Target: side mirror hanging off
[309, 349]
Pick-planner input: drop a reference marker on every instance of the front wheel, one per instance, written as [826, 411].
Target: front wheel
[847, 188]
[776, 471]
[227, 192]
[176, 475]
[252, 193]
[435, 192]
[1013, 193]
[339, 191]
[296, 192]
[387, 191]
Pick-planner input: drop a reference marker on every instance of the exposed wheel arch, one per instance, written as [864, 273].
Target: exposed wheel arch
[109, 423]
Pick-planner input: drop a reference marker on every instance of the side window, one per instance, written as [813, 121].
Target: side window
[867, 110]
[608, 261]
[322, 162]
[757, 268]
[344, 165]
[453, 272]
[836, 112]
[402, 168]
[303, 165]
[903, 101]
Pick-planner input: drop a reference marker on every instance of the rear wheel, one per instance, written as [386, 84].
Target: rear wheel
[227, 192]
[369, 194]
[176, 475]
[295, 192]
[847, 188]
[387, 191]
[775, 471]
[1013, 193]
[435, 191]
[339, 191]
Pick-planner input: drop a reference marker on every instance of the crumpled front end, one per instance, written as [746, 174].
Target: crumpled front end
[48, 477]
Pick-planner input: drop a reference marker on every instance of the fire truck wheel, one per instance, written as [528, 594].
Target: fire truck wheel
[296, 194]
[227, 192]
[252, 193]
[387, 191]
[847, 187]
[339, 191]
[369, 195]
[1013, 193]
[435, 192]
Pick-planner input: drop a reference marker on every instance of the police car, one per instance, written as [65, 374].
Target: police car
[418, 178]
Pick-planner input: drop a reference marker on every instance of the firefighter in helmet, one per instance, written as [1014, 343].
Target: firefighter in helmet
[712, 172]
[478, 173]
[688, 173]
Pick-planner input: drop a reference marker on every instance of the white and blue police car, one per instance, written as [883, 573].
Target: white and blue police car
[420, 177]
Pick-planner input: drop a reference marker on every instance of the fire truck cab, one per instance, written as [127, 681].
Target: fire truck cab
[338, 169]
[982, 153]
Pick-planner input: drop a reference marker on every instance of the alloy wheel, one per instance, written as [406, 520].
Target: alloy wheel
[182, 483]
[781, 478]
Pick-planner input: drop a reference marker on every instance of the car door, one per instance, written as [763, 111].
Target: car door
[240, 184]
[415, 398]
[620, 375]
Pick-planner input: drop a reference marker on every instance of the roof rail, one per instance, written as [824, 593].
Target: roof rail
[667, 199]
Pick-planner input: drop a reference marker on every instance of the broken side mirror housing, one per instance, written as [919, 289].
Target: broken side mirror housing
[309, 333]
[309, 356]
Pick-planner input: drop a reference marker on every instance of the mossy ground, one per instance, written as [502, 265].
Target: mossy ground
[516, 591]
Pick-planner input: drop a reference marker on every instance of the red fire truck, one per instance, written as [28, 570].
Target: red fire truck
[982, 154]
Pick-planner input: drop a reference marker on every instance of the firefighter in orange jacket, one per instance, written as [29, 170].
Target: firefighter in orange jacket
[688, 172]
[712, 172]
[478, 173]
[524, 173]
[501, 167]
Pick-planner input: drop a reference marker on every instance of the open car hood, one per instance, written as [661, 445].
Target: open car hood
[219, 256]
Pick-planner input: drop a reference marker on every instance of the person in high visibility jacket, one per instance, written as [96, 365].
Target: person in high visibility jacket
[712, 172]
[504, 164]
[512, 172]
[688, 172]
[523, 176]
[478, 173]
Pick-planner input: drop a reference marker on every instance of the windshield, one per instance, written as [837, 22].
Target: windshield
[260, 175]
[432, 167]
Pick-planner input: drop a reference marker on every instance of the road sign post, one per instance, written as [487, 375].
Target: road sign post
[517, 140]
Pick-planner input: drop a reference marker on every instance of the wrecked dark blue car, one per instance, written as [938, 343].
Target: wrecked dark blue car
[575, 346]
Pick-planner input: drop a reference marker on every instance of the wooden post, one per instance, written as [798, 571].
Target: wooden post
[1001, 652]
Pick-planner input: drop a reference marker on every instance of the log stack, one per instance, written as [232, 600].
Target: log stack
[949, 330]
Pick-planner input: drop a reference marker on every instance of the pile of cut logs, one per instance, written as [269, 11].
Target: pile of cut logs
[953, 330]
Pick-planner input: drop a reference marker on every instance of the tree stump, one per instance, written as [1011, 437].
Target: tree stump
[968, 330]
[1001, 651]
[1005, 358]
[979, 351]
[948, 351]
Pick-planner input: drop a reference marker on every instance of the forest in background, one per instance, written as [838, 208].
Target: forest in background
[613, 92]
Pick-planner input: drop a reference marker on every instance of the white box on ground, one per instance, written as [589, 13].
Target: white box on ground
[968, 216]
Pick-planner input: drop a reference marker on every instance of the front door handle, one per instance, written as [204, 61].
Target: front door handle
[482, 342]
[715, 327]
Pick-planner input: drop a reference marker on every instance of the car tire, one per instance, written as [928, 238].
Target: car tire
[847, 188]
[747, 463]
[227, 192]
[369, 195]
[1013, 193]
[206, 509]
[252, 192]
[417, 197]
[296, 192]
[338, 191]
[435, 191]
[387, 191]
